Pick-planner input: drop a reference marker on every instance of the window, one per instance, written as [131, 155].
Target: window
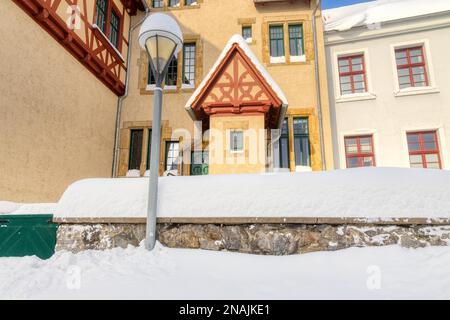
[189, 52]
[108, 21]
[424, 150]
[276, 41]
[101, 16]
[236, 140]
[114, 29]
[172, 72]
[149, 148]
[174, 3]
[284, 145]
[352, 74]
[135, 157]
[158, 3]
[247, 33]
[190, 2]
[411, 67]
[151, 78]
[172, 153]
[296, 40]
[359, 151]
[301, 142]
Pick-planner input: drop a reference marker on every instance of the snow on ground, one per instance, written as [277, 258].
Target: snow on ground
[367, 192]
[373, 12]
[7, 207]
[134, 273]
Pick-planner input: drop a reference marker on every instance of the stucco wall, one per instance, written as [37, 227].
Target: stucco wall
[56, 118]
[213, 23]
[251, 159]
[387, 116]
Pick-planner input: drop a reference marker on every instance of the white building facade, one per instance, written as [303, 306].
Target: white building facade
[389, 83]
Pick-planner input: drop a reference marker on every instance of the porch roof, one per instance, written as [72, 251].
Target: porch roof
[237, 41]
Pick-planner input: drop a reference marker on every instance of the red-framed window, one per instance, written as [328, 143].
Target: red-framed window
[411, 67]
[352, 74]
[423, 150]
[109, 19]
[359, 151]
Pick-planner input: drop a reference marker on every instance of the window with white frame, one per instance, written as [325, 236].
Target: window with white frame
[172, 155]
[189, 53]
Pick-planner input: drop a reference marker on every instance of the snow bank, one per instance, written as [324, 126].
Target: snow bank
[369, 13]
[367, 192]
[357, 273]
[7, 207]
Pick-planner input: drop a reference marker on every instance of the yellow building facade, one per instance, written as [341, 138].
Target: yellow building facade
[280, 36]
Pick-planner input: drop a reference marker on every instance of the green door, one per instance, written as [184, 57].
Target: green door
[27, 235]
[199, 163]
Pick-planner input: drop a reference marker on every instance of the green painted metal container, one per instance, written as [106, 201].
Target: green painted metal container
[27, 235]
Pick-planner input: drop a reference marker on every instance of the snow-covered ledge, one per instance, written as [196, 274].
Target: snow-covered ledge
[368, 193]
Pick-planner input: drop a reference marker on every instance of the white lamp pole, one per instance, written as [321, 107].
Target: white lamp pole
[161, 37]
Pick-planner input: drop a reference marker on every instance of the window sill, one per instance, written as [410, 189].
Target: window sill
[277, 60]
[416, 91]
[296, 59]
[356, 97]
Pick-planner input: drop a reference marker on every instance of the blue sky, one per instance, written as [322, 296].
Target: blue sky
[326, 4]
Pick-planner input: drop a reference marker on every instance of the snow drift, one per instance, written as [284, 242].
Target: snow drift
[366, 192]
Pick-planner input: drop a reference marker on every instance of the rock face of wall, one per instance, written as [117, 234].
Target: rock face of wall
[271, 239]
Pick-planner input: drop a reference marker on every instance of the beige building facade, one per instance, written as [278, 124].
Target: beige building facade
[60, 82]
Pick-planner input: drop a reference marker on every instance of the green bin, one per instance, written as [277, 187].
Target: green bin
[27, 235]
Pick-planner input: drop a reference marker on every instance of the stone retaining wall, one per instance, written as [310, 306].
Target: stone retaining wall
[272, 239]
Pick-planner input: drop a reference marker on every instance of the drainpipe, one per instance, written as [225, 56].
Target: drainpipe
[319, 98]
[125, 95]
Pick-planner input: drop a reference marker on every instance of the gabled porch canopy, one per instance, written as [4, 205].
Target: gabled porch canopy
[238, 84]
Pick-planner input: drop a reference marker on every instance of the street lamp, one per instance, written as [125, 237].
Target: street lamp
[161, 37]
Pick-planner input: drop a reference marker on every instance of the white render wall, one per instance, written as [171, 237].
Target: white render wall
[382, 112]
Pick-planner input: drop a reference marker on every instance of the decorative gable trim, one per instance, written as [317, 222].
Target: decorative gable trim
[238, 84]
[89, 47]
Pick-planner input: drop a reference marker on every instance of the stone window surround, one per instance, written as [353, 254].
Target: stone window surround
[314, 139]
[431, 88]
[369, 94]
[146, 89]
[166, 135]
[285, 21]
[248, 22]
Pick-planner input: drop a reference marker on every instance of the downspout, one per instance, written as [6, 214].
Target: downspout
[125, 95]
[318, 92]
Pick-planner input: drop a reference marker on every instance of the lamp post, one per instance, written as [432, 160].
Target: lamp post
[161, 37]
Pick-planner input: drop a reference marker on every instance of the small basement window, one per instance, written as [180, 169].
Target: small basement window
[236, 140]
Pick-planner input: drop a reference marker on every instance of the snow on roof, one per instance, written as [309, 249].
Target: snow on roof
[378, 193]
[369, 13]
[240, 41]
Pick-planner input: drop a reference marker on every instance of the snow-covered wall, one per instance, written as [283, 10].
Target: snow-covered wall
[368, 192]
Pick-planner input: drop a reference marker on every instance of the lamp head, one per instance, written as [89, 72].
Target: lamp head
[161, 37]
